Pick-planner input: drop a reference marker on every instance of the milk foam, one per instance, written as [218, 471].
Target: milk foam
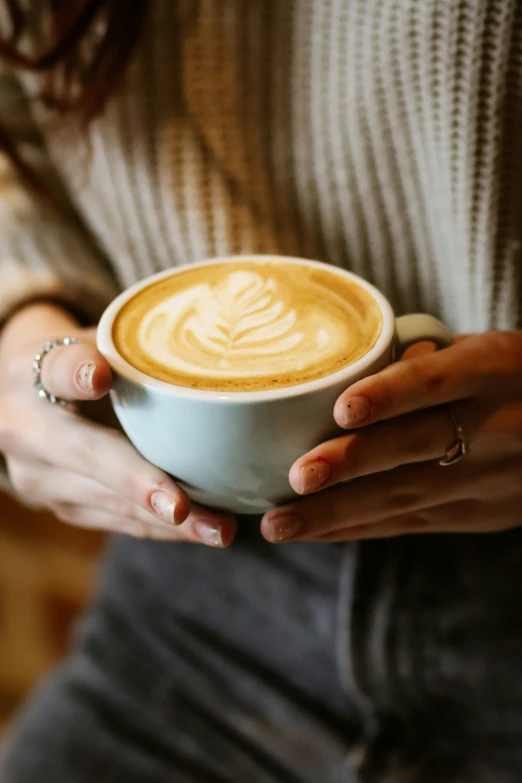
[244, 323]
[247, 326]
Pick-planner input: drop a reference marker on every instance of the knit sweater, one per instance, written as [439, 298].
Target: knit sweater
[383, 136]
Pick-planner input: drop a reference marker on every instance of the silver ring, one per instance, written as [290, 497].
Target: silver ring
[37, 370]
[459, 449]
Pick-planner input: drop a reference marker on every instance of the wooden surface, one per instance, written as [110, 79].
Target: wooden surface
[46, 575]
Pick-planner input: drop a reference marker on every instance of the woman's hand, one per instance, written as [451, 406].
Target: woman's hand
[88, 475]
[383, 478]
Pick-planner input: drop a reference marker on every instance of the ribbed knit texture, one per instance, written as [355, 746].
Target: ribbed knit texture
[384, 136]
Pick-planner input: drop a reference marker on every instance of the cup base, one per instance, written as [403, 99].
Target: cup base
[240, 504]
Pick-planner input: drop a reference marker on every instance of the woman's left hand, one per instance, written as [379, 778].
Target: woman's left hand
[384, 478]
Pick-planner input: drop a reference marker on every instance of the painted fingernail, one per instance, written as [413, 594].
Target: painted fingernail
[209, 534]
[164, 506]
[355, 411]
[313, 475]
[85, 375]
[283, 527]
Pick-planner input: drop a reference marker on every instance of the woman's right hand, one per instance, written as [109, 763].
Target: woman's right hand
[87, 474]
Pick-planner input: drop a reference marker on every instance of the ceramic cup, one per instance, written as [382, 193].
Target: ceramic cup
[233, 450]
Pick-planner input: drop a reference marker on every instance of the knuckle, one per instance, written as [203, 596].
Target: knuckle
[142, 530]
[413, 443]
[22, 478]
[415, 447]
[65, 512]
[156, 533]
[129, 484]
[434, 381]
[506, 347]
[129, 515]
[403, 500]
[424, 376]
[117, 505]
[414, 522]
[133, 484]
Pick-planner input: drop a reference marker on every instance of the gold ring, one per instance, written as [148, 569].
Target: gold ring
[459, 449]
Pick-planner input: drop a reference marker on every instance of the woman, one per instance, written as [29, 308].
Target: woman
[383, 137]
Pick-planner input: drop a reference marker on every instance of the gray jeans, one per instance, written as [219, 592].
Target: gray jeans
[201, 666]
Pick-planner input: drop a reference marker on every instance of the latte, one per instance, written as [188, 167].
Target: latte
[247, 326]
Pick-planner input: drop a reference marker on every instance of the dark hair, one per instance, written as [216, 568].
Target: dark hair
[87, 47]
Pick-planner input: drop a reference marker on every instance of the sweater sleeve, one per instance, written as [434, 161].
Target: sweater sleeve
[43, 253]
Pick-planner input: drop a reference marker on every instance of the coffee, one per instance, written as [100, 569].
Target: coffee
[247, 325]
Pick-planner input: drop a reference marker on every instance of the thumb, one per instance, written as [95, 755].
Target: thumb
[76, 372]
[418, 349]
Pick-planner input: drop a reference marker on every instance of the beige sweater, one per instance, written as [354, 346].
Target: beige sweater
[384, 136]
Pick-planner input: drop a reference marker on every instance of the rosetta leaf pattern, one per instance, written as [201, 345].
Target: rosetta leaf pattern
[245, 313]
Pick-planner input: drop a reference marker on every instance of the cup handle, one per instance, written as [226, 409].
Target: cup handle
[418, 327]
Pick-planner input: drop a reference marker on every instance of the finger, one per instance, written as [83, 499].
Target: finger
[474, 365]
[368, 500]
[76, 372]
[209, 526]
[458, 517]
[123, 477]
[50, 487]
[412, 525]
[107, 457]
[70, 444]
[119, 475]
[426, 346]
[418, 349]
[203, 525]
[195, 530]
[55, 488]
[96, 518]
[415, 437]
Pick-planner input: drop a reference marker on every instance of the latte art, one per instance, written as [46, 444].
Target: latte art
[241, 325]
[247, 325]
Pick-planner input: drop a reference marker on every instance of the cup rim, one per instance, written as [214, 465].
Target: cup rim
[123, 368]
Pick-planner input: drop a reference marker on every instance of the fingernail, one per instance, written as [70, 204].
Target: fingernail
[164, 506]
[209, 534]
[355, 411]
[283, 527]
[85, 374]
[314, 475]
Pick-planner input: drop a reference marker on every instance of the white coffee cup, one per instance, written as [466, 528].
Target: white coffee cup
[234, 450]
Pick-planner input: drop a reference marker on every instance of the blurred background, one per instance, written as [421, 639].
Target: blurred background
[46, 576]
